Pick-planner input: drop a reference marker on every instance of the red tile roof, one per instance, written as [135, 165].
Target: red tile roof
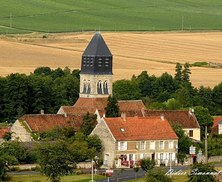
[91, 103]
[216, 121]
[84, 105]
[44, 122]
[186, 118]
[3, 131]
[131, 107]
[140, 128]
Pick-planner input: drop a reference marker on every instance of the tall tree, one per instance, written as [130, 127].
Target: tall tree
[126, 90]
[16, 91]
[204, 119]
[112, 108]
[217, 98]
[54, 160]
[178, 75]
[186, 73]
[184, 143]
[89, 122]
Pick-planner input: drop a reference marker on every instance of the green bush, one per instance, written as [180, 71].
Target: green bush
[200, 64]
[78, 172]
[157, 175]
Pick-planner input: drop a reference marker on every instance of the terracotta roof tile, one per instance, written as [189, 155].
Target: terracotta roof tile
[91, 103]
[84, 105]
[131, 107]
[186, 118]
[216, 121]
[140, 128]
[3, 131]
[44, 122]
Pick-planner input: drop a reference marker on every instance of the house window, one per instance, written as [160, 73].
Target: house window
[190, 133]
[122, 146]
[161, 145]
[152, 145]
[142, 145]
[142, 156]
[161, 158]
[170, 144]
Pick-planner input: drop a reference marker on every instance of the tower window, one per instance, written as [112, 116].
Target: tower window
[88, 90]
[105, 87]
[99, 87]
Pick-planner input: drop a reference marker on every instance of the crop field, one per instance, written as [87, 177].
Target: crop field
[26, 16]
[133, 52]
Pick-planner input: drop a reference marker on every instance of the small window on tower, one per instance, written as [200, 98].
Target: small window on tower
[105, 87]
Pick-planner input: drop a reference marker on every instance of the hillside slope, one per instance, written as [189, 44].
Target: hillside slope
[82, 15]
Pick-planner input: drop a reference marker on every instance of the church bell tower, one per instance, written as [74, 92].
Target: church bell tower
[96, 69]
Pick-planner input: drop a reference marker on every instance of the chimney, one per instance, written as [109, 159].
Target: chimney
[191, 111]
[123, 115]
[42, 111]
[162, 117]
[65, 114]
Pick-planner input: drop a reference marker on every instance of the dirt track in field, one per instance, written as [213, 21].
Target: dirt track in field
[133, 52]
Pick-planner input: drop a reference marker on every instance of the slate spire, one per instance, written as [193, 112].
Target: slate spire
[97, 58]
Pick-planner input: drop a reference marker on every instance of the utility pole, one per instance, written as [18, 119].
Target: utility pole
[206, 152]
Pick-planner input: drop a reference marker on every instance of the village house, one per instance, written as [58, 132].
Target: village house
[26, 128]
[217, 126]
[185, 118]
[127, 140]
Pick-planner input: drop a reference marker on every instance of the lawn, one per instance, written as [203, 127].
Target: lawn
[40, 178]
[76, 15]
[175, 179]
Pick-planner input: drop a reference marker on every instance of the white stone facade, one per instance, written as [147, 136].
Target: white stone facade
[20, 132]
[92, 81]
[108, 142]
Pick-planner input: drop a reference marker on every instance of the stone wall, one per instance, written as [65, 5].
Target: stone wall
[20, 132]
[93, 80]
[108, 142]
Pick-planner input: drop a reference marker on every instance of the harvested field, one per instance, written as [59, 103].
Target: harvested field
[156, 52]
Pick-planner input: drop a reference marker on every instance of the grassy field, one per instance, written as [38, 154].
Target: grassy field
[40, 178]
[82, 15]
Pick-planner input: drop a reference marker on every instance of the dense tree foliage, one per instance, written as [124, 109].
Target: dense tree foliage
[184, 143]
[49, 89]
[157, 175]
[44, 89]
[54, 160]
[112, 108]
[204, 119]
[126, 90]
[201, 169]
[147, 164]
[214, 145]
[89, 122]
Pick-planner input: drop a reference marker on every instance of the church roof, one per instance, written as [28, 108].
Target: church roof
[97, 47]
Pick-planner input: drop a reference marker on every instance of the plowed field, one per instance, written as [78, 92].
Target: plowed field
[133, 52]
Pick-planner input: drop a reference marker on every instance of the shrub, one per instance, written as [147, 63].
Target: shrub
[157, 175]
